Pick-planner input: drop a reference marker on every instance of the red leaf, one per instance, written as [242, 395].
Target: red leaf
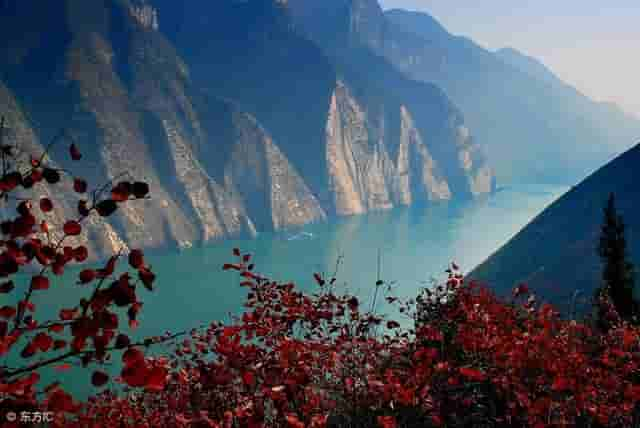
[135, 374]
[99, 378]
[248, 378]
[46, 205]
[136, 259]
[147, 277]
[132, 356]
[122, 341]
[156, 378]
[43, 341]
[72, 228]
[79, 185]
[7, 287]
[560, 384]
[39, 282]
[293, 421]
[472, 374]
[74, 152]
[7, 312]
[57, 268]
[121, 191]
[387, 421]
[87, 275]
[61, 402]
[26, 306]
[36, 175]
[80, 254]
[629, 338]
[67, 314]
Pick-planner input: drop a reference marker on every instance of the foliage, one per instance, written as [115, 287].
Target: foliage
[36, 245]
[314, 360]
[618, 272]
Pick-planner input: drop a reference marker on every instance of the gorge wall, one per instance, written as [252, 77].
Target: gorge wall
[238, 123]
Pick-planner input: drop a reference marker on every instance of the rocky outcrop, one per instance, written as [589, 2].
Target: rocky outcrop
[266, 180]
[229, 148]
[363, 174]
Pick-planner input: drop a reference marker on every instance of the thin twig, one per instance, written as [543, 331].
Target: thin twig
[71, 354]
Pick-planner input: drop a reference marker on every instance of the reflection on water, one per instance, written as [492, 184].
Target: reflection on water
[415, 245]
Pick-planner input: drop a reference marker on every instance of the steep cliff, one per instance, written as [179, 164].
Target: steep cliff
[350, 33]
[238, 123]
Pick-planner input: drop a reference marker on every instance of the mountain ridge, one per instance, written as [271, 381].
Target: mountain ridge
[500, 101]
[271, 137]
[556, 253]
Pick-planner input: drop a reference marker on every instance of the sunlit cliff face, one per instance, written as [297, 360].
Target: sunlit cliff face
[238, 123]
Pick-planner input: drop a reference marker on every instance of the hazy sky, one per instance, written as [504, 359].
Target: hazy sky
[591, 44]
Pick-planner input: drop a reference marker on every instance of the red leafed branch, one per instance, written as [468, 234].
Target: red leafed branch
[31, 245]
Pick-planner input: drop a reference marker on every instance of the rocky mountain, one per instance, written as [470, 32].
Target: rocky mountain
[534, 126]
[239, 123]
[556, 252]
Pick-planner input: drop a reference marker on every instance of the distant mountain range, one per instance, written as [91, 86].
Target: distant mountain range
[534, 126]
[238, 121]
[556, 254]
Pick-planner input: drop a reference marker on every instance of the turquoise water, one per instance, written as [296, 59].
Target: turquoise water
[415, 245]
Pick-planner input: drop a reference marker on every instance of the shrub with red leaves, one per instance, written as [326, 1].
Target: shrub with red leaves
[315, 360]
[86, 332]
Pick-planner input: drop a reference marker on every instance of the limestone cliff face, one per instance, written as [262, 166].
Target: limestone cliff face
[129, 102]
[363, 173]
[229, 148]
[411, 128]
[266, 180]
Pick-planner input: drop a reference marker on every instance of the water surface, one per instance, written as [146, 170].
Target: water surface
[415, 245]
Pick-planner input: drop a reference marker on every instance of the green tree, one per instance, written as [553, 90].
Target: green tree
[618, 275]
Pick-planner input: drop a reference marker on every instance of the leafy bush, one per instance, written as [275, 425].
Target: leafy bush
[35, 247]
[315, 360]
